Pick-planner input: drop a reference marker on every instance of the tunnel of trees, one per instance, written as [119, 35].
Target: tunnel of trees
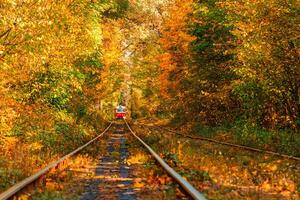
[208, 67]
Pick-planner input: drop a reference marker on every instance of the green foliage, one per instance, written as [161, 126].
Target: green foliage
[134, 115]
[153, 139]
[17, 131]
[48, 139]
[195, 175]
[59, 98]
[248, 133]
[203, 46]
[148, 92]
[53, 195]
[171, 158]
[50, 87]
[8, 177]
[161, 113]
[61, 127]
[252, 97]
[92, 60]
[178, 117]
[208, 132]
[81, 111]
[116, 8]
[298, 121]
[65, 138]
[284, 141]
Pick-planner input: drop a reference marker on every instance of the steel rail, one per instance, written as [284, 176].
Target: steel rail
[228, 144]
[195, 194]
[22, 184]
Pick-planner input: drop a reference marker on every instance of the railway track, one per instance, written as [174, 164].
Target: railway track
[113, 179]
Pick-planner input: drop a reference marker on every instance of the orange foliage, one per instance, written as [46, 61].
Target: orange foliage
[175, 42]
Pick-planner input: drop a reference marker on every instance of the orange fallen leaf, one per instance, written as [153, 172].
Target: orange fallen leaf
[138, 184]
[23, 197]
[266, 186]
[50, 185]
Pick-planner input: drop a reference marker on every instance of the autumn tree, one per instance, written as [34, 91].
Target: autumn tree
[50, 66]
[208, 84]
[267, 60]
[175, 41]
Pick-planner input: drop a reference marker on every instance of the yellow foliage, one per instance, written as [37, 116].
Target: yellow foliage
[138, 158]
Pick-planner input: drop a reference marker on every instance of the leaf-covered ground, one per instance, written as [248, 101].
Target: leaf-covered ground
[69, 180]
[78, 177]
[222, 172]
[219, 172]
[152, 179]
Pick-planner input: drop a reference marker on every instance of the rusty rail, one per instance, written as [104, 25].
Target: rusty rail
[195, 194]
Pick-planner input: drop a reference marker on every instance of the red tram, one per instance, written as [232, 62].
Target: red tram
[120, 112]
